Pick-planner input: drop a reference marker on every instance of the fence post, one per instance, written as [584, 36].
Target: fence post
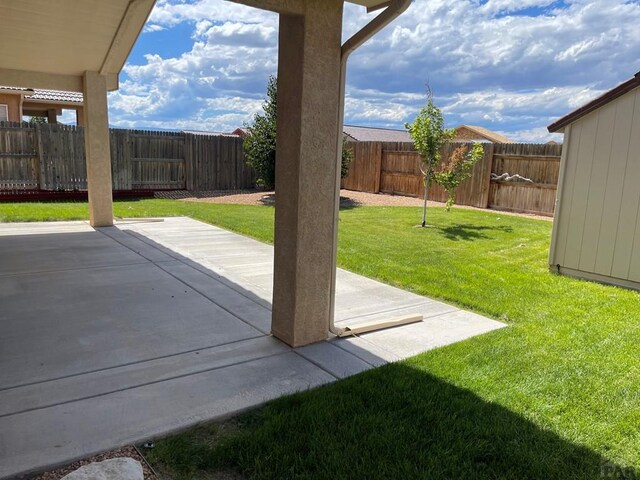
[188, 160]
[126, 158]
[378, 170]
[38, 146]
[488, 157]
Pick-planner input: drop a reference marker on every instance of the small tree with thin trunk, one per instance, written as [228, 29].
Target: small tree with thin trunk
[429, 135]
[457, 168]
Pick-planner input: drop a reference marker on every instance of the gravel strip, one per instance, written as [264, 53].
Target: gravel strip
[122, 452]
[348, 198]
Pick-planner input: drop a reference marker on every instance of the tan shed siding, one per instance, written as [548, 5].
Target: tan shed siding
[563, 208]
[598, 229]
[612, 205]
[578, 208]
[597, 184]
[631, 197]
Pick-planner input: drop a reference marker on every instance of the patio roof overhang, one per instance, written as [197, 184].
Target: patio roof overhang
[297, 7]
[45, 44]
[74, 46]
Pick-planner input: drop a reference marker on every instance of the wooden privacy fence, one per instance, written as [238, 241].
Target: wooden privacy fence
[394, 168]
[51, 157]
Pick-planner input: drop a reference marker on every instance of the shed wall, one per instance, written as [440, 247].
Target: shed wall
[596, 229]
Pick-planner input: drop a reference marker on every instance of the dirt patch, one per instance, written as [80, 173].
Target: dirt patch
[348, 198]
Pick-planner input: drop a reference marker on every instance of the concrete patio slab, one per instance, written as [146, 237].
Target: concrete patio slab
[120, 334]
[56, 434]
[106, 381]
[88, 319]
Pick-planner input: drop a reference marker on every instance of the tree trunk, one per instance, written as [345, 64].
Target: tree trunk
[426, 195]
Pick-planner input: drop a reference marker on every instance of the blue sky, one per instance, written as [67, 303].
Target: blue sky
[512, 66]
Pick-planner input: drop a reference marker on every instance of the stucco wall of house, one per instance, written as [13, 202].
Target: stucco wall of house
[13, 103]
[596, 232]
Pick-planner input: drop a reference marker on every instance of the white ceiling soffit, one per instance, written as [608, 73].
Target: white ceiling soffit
[68, 37]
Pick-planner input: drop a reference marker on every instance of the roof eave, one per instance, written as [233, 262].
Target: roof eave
[596, 103]
[74, 103]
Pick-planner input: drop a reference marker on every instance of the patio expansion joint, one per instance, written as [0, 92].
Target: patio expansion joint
[74, 269]
[128, 364]
[143, 384]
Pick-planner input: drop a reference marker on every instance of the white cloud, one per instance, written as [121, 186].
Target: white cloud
[533, 135]
[153, 27]
[169, 13]
[489, 63]
[506, 6]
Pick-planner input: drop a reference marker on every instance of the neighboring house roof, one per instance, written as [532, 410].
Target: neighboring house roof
[486, 134]
[210, 134]
[360, 134]
[372, 134]
[55, 96]
[596, 103]
[41, 95]
[241, 131]
[16, 89]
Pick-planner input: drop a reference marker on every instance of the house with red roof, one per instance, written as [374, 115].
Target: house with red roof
[18, 102]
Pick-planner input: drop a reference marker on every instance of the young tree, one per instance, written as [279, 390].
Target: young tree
[260, 141]
[429, 135]
[35, 120]
[347, 158]
[457, 169]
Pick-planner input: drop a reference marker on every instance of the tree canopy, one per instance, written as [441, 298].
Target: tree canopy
[260, 141]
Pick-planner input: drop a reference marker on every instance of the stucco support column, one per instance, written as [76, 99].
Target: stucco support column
[98, 155]
[306, 171]
[80, 117]
[52, 115]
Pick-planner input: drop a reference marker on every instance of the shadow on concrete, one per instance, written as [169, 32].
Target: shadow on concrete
[248, 294]
[397, 421]
[75, 303]
[471, 232]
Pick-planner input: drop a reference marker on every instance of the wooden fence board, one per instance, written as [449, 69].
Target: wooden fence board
[51, 157]
[365, 168]
[62, 156]
[395, 168]
[19, 166]
[538, 162]
[524, 198]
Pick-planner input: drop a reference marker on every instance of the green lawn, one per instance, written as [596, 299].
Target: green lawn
[556, 395]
